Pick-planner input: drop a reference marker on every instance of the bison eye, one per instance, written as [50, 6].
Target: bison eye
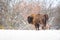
[30, 19]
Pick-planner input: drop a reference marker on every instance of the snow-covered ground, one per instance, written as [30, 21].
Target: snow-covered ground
[29, 35]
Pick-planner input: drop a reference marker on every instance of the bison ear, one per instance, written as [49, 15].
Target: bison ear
[30, 19]
[46, 16]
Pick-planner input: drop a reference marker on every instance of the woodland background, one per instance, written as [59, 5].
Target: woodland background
[13, 13]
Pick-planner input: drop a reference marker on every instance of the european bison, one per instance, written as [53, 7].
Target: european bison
[38, 20]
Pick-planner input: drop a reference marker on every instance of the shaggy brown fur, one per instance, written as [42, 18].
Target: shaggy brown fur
[37, 20]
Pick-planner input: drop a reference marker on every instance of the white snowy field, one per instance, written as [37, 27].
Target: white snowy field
[29, 35]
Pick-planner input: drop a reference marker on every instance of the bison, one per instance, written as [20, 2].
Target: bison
[37, 20]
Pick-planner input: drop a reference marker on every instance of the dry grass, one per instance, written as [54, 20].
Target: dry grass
[1, 27]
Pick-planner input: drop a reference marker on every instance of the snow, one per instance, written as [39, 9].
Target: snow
[29, 35]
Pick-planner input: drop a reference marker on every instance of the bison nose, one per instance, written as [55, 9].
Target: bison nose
[30, 19]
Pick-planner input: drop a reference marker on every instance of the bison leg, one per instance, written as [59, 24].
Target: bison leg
[37, 26]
